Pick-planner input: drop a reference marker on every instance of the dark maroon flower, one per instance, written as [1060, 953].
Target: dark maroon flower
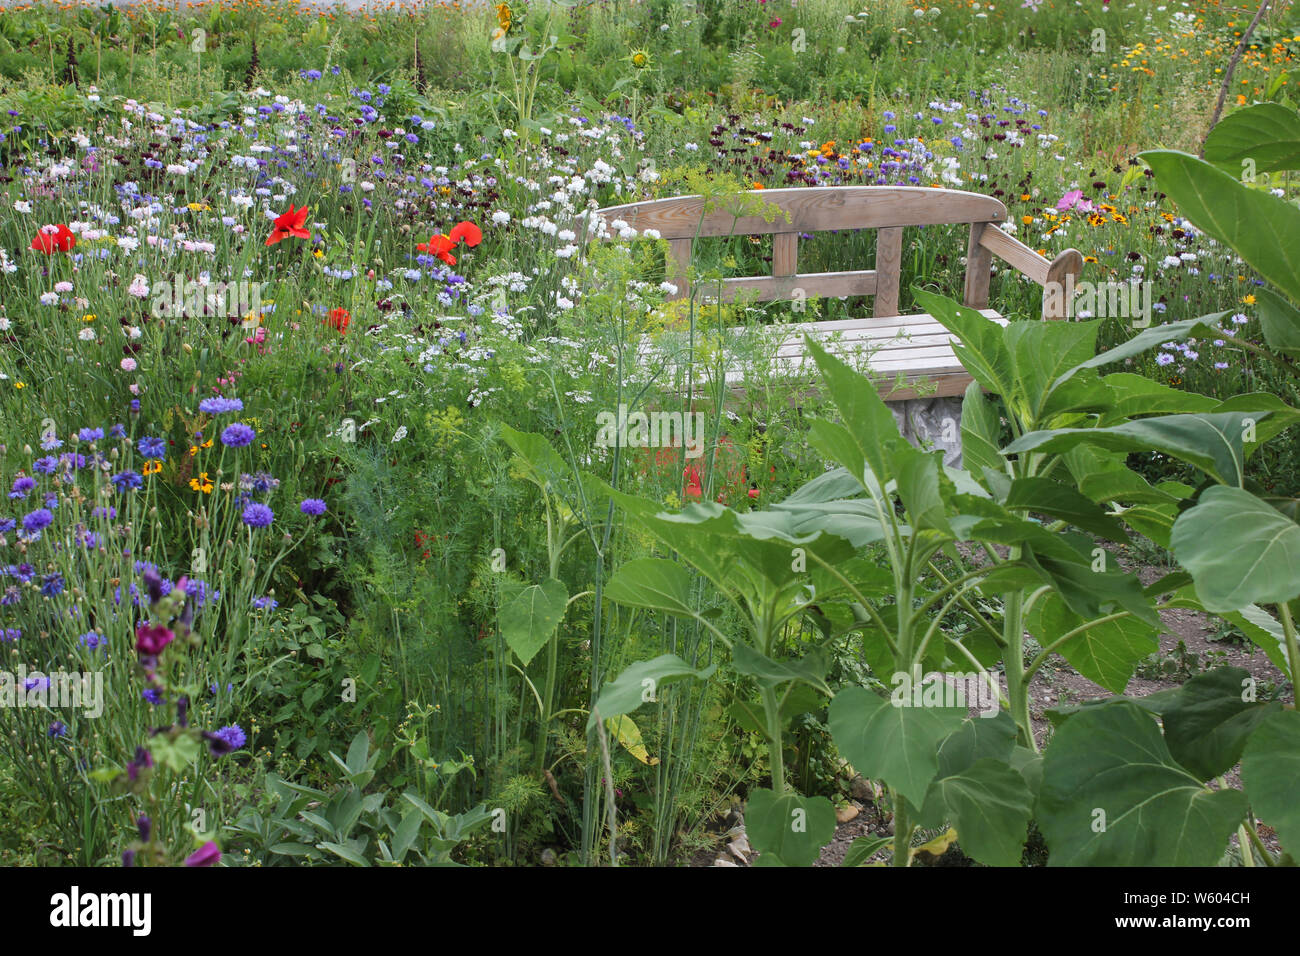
[152, 638]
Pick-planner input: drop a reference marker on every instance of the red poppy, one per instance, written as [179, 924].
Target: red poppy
[289, 224]
[467, 231]
[339, 319]
[692, 476]
[51, 239]
[441, 245]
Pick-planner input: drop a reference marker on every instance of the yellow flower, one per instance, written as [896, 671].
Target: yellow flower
[640, 59]
[152, 466]
[505, 18]
[202, 483]
[318, 253]
[1027, 220]
[88, 317]
[20, 385]
[1248, 299]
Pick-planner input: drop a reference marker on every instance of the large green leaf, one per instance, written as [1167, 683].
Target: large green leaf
[1041, 355]
[535, 458]
[1261, 228]
[810, 669]
[1265, 135]
[1136, 395]
[1279, 320]
[1210, 717]
[1239, 550]
[1211, 442]
[640, 683]
[990, 804]
[869, 423]
[979, 347]
[653, 583]
[530, 618]
[980, 432]
[1061, 501]
[788, 830]
[896, 744]
[1112, 795]
[1270, 768]
[1106, 654]
[978, 738]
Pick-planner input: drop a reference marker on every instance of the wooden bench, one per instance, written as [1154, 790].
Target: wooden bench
[910, 355]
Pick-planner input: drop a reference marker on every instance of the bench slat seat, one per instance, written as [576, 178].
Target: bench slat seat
[915, 347]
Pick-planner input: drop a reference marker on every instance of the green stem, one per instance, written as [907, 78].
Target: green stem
[772, 712]
[1013, 631]
[1288, 628]
[902, 832]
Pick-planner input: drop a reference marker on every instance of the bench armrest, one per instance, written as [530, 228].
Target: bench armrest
[988, 240]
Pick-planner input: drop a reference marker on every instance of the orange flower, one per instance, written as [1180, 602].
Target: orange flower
[289, 224]
[339, 319]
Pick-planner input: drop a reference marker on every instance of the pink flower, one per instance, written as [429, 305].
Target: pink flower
[1074, 200]
[205, 855]
[127, 365]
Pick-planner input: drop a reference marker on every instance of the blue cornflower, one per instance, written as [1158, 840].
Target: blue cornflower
[38, 519]
[22, 486]
[258, 515]
[151, 447]
[52, 584]
[127, 480]
[313, 507]
[45, 466]
[220, 405]
[238, 435]
[90, 434]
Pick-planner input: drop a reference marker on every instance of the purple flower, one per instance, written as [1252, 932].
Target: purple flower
[90, 640]
[152, 447]
[90, 434]
[38, 519]
[57, 729]
[205, 855]
[151, 639]
[46, 465]
[127, 481]
[22, 486]
[145, 826]
[7, 525]
[225, 740]
[313, 507]
[52, 585]
[238, 435]
[258, 515]
[220, 405]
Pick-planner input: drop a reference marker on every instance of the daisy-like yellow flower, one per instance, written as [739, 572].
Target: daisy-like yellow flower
[640, 59]
[1248, 299]
[152, 466]
[89, 317]
[202, 483]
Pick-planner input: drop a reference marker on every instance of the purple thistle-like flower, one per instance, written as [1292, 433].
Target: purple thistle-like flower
[258, 515]
[238, 435]
[313, 507]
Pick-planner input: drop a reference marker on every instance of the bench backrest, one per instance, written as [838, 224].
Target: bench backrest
[888, 209]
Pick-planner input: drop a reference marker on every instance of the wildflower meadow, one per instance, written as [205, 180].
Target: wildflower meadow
[374, 497]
